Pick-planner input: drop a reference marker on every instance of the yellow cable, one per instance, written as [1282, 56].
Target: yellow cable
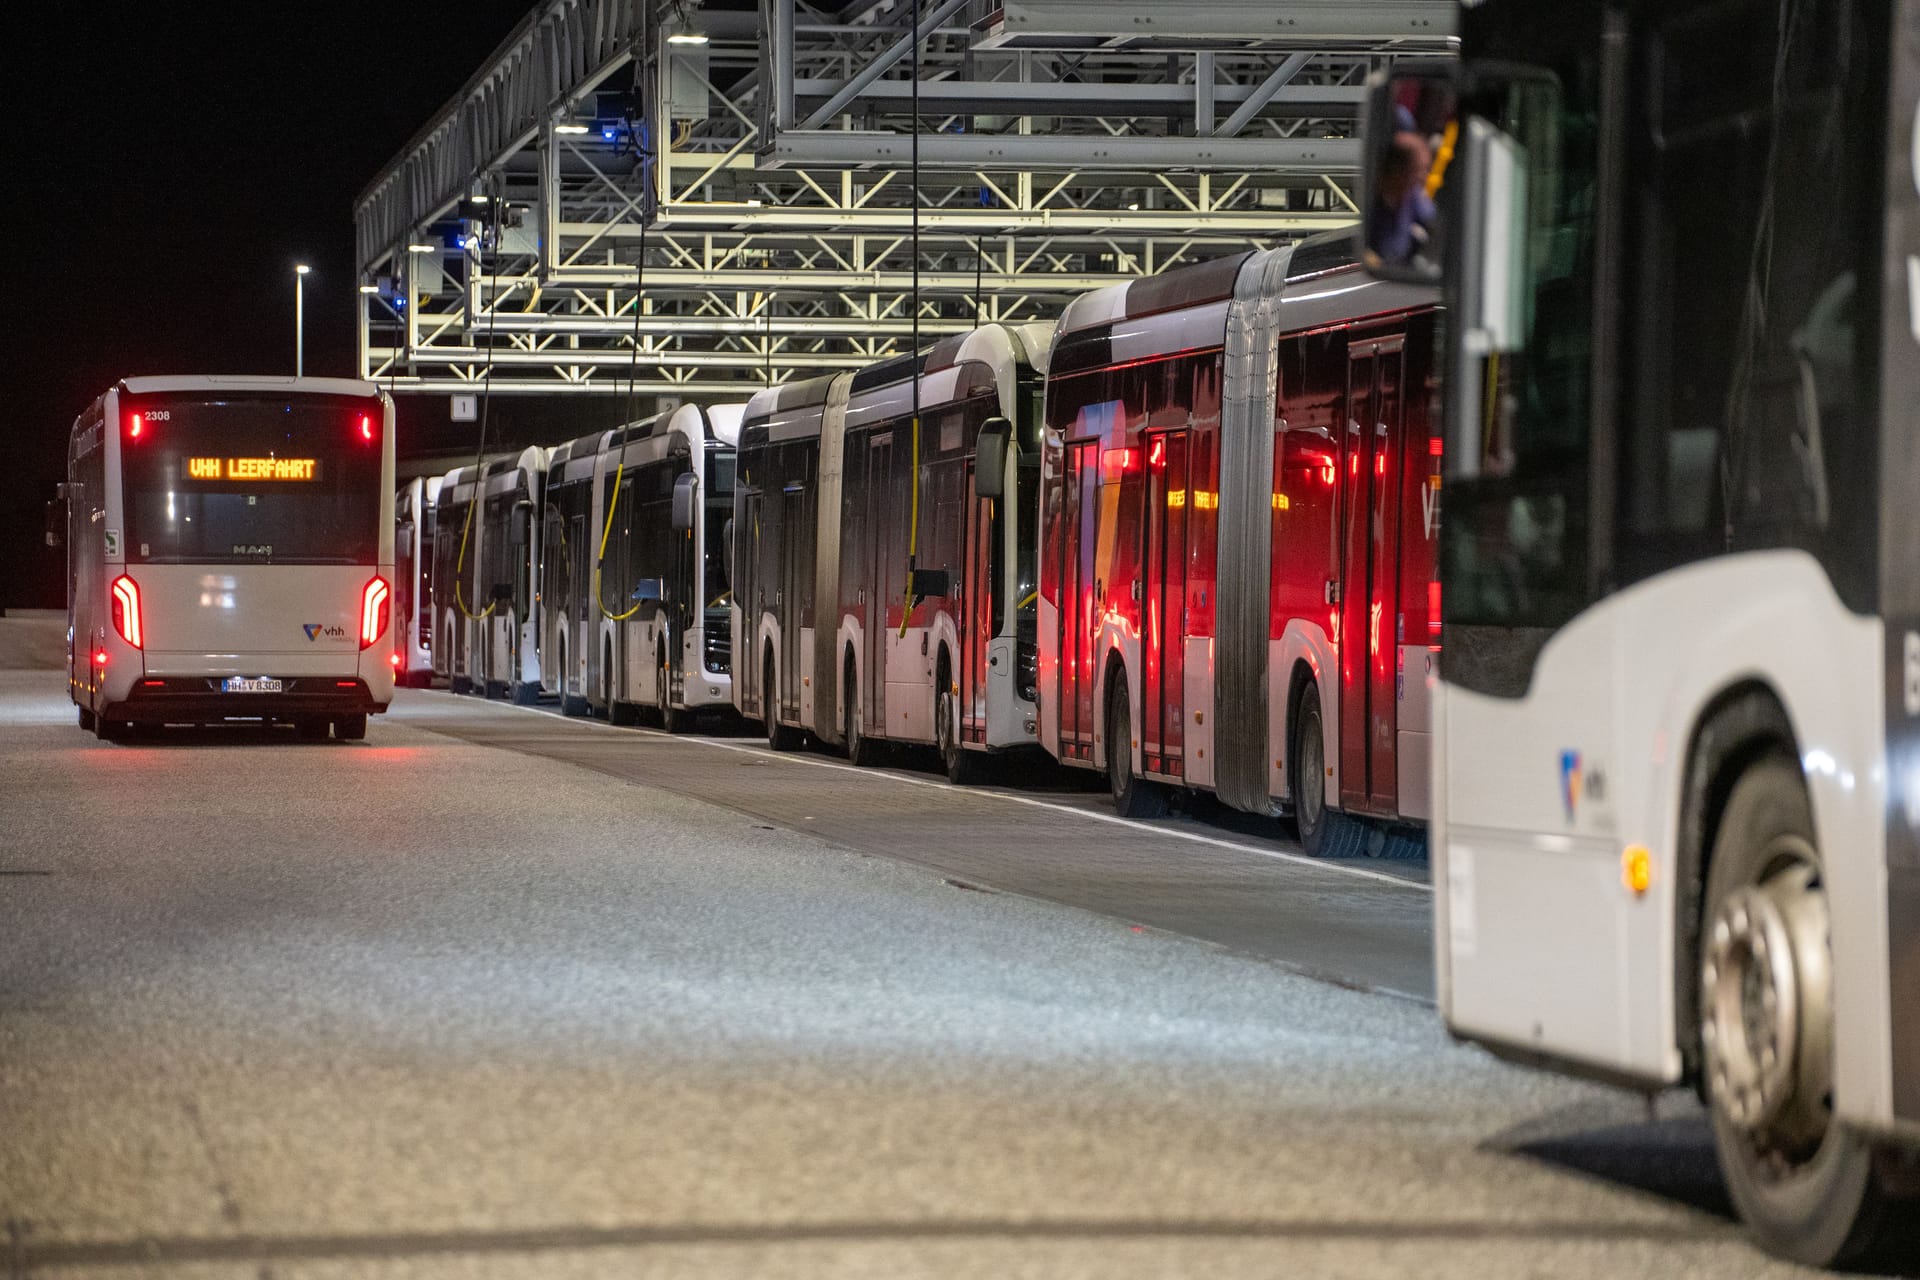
[601, 559]
[459, 569]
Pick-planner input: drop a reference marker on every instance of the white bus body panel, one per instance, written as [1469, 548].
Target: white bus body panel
[1595, 757]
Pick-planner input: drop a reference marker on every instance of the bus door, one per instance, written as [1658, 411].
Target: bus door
[404, 612]
[796, 585]
[1079, 542]
[982, 600]
[1370, 574]
[886, 576]
[1163, 624]
[685, 590]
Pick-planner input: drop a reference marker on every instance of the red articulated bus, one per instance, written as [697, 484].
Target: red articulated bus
[1239, 501]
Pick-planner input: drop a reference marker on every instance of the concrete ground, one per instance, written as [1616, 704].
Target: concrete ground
[425, 1007]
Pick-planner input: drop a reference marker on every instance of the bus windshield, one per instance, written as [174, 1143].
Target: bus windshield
[253, 481]
[719, 509]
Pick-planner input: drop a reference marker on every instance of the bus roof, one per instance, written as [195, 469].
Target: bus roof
[180, 384]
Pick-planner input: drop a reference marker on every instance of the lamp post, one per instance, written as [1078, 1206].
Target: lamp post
[299, 318]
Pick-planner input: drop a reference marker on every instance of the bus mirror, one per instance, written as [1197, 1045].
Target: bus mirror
[57, 521]
[686, 501]
[649, 590]
[990, 458]
[930, 584]
[1409, 145]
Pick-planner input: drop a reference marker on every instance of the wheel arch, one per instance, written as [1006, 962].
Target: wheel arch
[1737, 727]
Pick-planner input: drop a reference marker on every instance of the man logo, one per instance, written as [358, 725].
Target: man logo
[311, 628]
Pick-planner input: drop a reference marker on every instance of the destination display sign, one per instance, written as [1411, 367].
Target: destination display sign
[293, 469]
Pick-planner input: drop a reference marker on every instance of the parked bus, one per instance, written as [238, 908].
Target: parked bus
[1238, 511]
[952, 667]
[1676, 820]
[483, 576]
[786, 558]
[413, 580]
[657, 593]
[567, 549]
[230, 554]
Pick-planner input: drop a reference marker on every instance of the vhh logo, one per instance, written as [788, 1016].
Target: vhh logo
[315, 630]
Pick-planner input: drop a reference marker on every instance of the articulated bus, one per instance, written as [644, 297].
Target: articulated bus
[1676, 818]
[569, 542]
[230, 554]
[656, 631]
[856, 654]
[1238, 511]
[487, 624]
[413, 580]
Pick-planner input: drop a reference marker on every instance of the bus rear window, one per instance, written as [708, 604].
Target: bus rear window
[252, 481]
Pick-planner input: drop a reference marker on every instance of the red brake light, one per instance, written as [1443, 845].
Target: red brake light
[366, 426]
[376, 603]
[134, 426]
[126, 611]
[393, 660]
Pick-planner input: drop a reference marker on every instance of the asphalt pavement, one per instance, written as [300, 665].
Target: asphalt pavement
[445, 1003]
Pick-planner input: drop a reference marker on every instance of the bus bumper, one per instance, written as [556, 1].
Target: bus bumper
[202, 700]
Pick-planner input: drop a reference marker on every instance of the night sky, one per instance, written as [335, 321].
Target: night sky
[167, 174]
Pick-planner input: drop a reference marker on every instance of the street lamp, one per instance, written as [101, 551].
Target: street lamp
[300, 271]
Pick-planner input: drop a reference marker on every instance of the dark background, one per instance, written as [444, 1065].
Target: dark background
[170, 165]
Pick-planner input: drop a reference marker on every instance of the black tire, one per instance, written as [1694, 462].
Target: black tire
[525, 695]
[1324, 832]
[1805, 1186]
[1133, 796]
[571, 703]
[620, 713]
[861, 750]
[460, 685]
[350, 728]
[86, 719]
[962, 766]
[672, 719]
[780, 737]
[312, 728]
[112, 730]
[496, 689]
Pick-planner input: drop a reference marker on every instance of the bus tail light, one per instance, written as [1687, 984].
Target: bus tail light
[126, 611]
[376, 603]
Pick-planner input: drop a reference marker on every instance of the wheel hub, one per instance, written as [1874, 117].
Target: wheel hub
[1767, 1019]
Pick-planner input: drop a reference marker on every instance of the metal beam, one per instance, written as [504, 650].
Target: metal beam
[880, 65]
[861, 149]
[1261, 96]
[1034, 24]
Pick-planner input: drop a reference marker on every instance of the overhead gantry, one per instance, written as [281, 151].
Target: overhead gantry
[668, 197]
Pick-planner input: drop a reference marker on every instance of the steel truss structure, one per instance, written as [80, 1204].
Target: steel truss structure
[694, 199]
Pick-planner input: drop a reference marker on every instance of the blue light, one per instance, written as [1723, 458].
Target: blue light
[607, 134]
[399, 303]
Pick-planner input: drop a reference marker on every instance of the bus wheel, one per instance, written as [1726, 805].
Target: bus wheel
[112, 730]
[350, 728]
[86, 719]
[780, 737]
[1133, 796]
[1324, 832]
[1804, 1184]
[672, 719]
[861, 750]
[622, 713]
[311, 728]
[962, 765]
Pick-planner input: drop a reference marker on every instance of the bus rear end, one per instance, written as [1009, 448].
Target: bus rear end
[251, 575]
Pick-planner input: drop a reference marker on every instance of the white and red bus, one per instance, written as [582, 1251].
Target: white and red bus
[825, 533]
[413, 579]
[230, 554]
[1238, 510]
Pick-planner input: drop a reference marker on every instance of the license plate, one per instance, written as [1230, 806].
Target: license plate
[251, 684]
